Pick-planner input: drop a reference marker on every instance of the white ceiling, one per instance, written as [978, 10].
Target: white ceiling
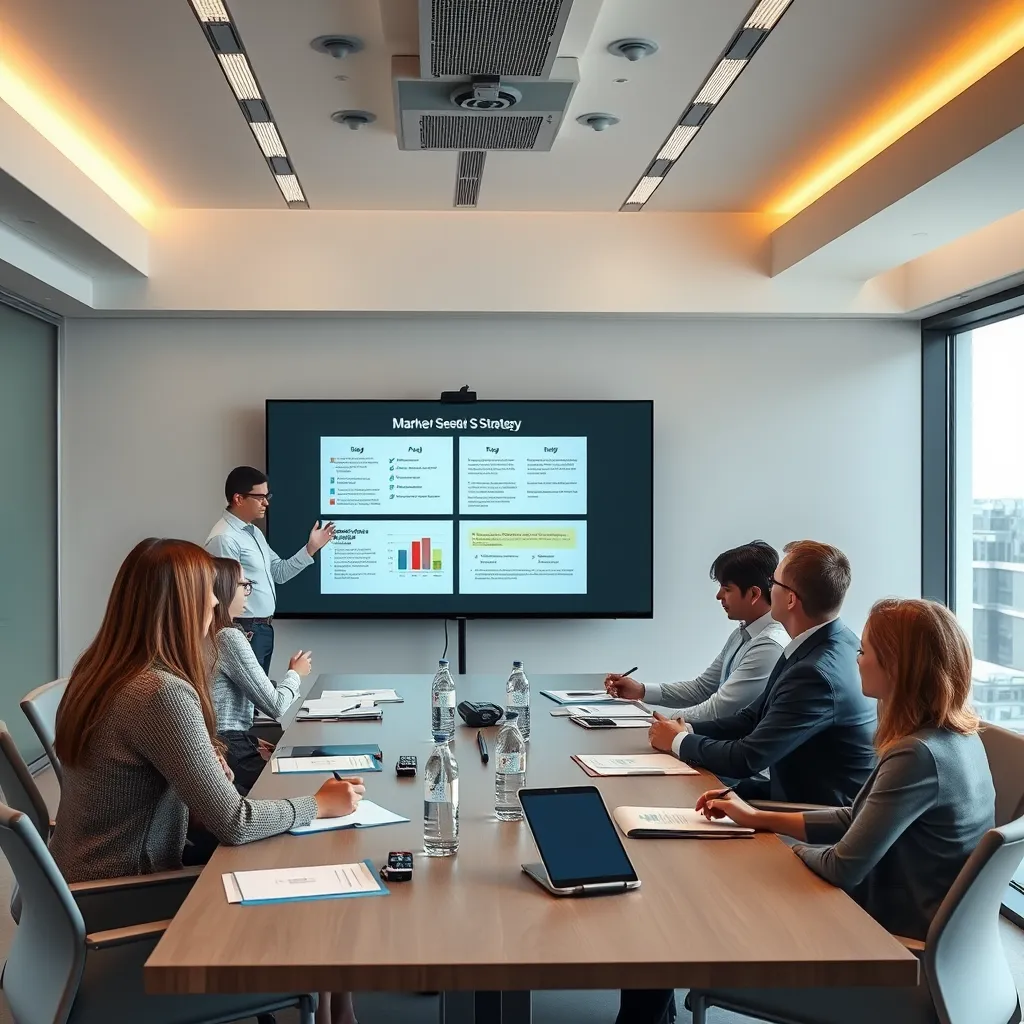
[140, 77]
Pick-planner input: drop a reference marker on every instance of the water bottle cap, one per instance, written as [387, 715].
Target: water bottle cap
[511, 716]
[517, 664]
[441, 737]
[443, 663]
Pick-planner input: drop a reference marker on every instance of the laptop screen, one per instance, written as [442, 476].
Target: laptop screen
[576, 836]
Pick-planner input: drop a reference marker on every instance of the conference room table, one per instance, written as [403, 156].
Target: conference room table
[722, 913]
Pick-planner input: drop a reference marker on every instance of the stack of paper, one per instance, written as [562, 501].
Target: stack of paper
[610, 709]
[331, 881]
[578, 696]
[674, 822]
[342, 763]
[604, 765]
[377, 696]
[366, 815]
[339, 707]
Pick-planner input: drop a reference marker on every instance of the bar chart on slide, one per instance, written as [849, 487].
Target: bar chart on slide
[420, 555]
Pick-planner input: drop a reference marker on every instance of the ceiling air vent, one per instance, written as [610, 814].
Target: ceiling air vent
[511, 38]
[467, 179]
[482, 113]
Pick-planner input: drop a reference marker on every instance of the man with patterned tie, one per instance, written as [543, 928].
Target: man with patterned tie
[812, 726]
[235, 535]
[740, 673]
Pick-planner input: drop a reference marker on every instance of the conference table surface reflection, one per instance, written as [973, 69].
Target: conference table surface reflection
[717, 913]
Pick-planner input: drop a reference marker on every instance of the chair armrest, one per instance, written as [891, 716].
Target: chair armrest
[786, 808]
[120, 902]
[914, 945]
[123, 936]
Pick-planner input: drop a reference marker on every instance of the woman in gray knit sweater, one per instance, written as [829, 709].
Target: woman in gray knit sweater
[136, 732]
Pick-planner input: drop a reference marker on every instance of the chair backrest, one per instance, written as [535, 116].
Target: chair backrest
[44, 967]
[964, 961]
[1005, 752]
[17, 786]
[40, 707]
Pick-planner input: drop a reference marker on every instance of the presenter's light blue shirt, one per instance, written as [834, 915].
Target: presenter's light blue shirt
[231, 538]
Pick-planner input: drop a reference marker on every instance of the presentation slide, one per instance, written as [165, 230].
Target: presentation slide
[523, 556]
[523, 476]
[380, 556]
[386, 476]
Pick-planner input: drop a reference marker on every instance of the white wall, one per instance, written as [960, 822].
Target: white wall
[763, 428]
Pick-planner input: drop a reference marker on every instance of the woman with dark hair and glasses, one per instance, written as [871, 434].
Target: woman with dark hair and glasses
[239, 683]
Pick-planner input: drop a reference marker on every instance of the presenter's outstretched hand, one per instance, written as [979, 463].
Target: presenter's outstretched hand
[714, 805]
[301, 662]
[663, 732]
[336, 798]
[318, 536]
[625, 687]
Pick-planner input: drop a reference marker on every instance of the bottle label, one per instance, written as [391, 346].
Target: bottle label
[511, 764]
[444, 699]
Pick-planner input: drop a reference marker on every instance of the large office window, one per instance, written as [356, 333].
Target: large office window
[28, 515]
[989, 513]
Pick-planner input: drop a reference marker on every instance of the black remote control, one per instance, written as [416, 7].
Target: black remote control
[406, 765]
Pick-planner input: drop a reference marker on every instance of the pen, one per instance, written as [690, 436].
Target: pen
[337, 775]
[724, 792]
[482, 744]
[630, 671]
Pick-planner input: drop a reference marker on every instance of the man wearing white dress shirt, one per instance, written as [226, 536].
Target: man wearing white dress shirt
[235, 536]
[740, 672]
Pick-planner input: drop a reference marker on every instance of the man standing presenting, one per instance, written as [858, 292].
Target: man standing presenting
[739, 674]
[236, 536]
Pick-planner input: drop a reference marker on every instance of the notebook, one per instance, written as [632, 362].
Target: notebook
[608, 709]
[321, 882]
[366, 815]
[607, 765]
[578, 696]
[674, 823]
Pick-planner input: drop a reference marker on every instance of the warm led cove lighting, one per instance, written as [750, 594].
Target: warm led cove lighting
[210, 10]
[239, 74]
[289, 186]
[266, 135]
[718, 84]
[65, 137]
[678, 141]
[767, 13]
[644, 190]
[977, 53]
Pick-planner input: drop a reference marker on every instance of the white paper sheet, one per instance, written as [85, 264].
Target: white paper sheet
[277, 884]
[366, 815]
[675, 821]
[610, 709]
[579, 696]
[620, 723]
[378, 696]
[635, 764]
[341, 763]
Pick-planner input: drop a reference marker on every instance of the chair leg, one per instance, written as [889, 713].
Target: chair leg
[307, 1010]
[698, 1005]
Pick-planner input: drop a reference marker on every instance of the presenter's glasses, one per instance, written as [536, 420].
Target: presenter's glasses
[265, 498]
[779, 583]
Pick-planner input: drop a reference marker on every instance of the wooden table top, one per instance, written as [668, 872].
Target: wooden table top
[722, 913]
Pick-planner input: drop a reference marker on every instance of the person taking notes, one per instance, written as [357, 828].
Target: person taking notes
[921, 812]
[235, 536]
[812, 726]
[740, 672]
[239, 682]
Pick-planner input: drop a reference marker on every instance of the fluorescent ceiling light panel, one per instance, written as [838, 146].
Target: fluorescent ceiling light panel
[239, 74]
[718, 84]
[677, 142]
[644, 190]
[266, 135]
[211, 10]
[289, 186]
[767, 13]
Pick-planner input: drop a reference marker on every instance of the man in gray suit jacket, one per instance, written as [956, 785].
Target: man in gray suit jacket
[740, 672]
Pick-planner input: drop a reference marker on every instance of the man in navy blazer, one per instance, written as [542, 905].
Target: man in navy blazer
[812, 727]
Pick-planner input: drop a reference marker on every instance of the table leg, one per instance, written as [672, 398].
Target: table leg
[485, 1008]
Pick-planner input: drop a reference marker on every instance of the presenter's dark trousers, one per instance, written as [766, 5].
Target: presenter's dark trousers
[260, 634]
[646, 1006]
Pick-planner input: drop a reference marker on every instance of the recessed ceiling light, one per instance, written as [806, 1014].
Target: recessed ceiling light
[290, 189]
[767, 13]
[210, 10]
[266, 135]
[677, 142]
[239, 74]
[644, 190]
[718, 84]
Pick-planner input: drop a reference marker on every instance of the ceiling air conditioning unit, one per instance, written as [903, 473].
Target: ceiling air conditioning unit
[508, 38]
[484, 111]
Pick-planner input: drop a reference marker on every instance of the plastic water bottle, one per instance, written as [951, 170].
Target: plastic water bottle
[510, 769]
[442, 701]
[517, 697]
[441, 801]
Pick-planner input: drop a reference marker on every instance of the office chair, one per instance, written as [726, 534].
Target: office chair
[19, 788]
[40, 707]
[966, 979]
[57, 972]
[1005, 752]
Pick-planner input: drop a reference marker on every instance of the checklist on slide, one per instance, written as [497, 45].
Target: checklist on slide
[386, 476]
[540, 476]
